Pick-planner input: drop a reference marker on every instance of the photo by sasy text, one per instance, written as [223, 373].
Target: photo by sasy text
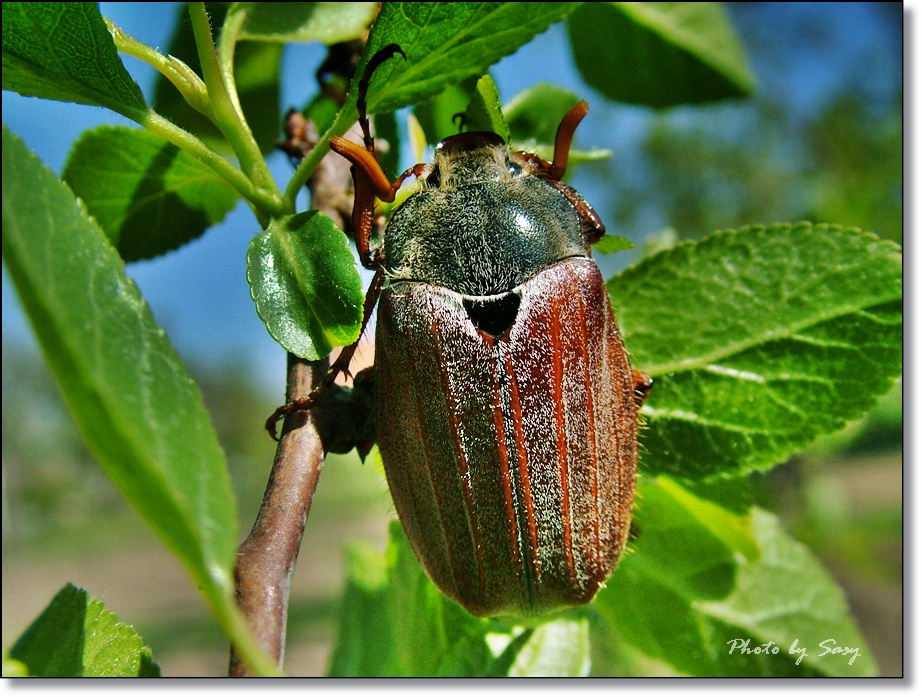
[828, 646]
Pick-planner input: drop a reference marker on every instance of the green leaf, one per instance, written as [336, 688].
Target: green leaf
[788, 595]
[436, 116]
[558, 649]
[610, 244]
[445, 43]
[76, 637]
[305, 284]
[533, 116]
[659, 54]
[535, 113]
[127, 389]
[147, 195]
[256, 74]
[364, 647]
[63, 51]
[283, 22]
[685, 590]
[758, 342]
[484, 112]
[395, 622]
[432, 635]
[732, 529]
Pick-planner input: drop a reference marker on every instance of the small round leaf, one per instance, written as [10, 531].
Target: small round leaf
[305, 284]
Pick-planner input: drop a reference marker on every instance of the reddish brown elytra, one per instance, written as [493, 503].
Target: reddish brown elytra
[506, 408]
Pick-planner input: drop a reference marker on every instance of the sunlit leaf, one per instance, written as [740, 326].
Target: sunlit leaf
[484, 112]
[329, 22]
[447, 42]
[699, 578]
[63, 51]
[759, 341]
[305, 283]
[128, 391]
[77, 637]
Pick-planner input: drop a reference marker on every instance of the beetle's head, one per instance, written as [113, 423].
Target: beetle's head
[469, 158]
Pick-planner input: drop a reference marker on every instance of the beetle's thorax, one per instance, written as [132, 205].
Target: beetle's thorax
[483, 223]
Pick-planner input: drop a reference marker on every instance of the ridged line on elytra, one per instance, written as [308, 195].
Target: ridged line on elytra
[522, 457]
[463, 469]
[427, 443]
[562, 461]
[624, 512]
[590, 420]
[505, 474]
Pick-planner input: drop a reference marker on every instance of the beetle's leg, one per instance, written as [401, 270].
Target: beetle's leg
[370, 182]
[460, 120]
[643, 383]
[387, 52]
[367, 175]
[340, 365]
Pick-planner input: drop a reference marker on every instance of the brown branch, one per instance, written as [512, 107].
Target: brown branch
[266, 559]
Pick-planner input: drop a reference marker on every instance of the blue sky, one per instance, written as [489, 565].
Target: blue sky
[800, 52]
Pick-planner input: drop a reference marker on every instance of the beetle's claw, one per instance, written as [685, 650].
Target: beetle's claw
[285, 410]
[272, 422]
[643, 383]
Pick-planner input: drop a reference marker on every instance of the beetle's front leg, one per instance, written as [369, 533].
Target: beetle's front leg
[370, 182]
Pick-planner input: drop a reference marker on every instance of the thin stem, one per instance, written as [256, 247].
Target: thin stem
[266, 559]
[246, 644]
[264, 203]
[183, 77]
[226, 46]
[227, 117]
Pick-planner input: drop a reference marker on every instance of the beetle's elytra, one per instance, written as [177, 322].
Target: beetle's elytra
[506, 412]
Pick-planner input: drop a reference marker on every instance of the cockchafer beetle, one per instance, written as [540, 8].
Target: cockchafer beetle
[506, 408]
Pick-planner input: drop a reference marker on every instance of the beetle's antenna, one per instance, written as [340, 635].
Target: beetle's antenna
[376, 60]
[460, 119]
[564, 138]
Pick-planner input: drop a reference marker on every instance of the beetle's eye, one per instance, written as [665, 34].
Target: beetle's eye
[515, 169]
[435, 178]
[495, 315]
